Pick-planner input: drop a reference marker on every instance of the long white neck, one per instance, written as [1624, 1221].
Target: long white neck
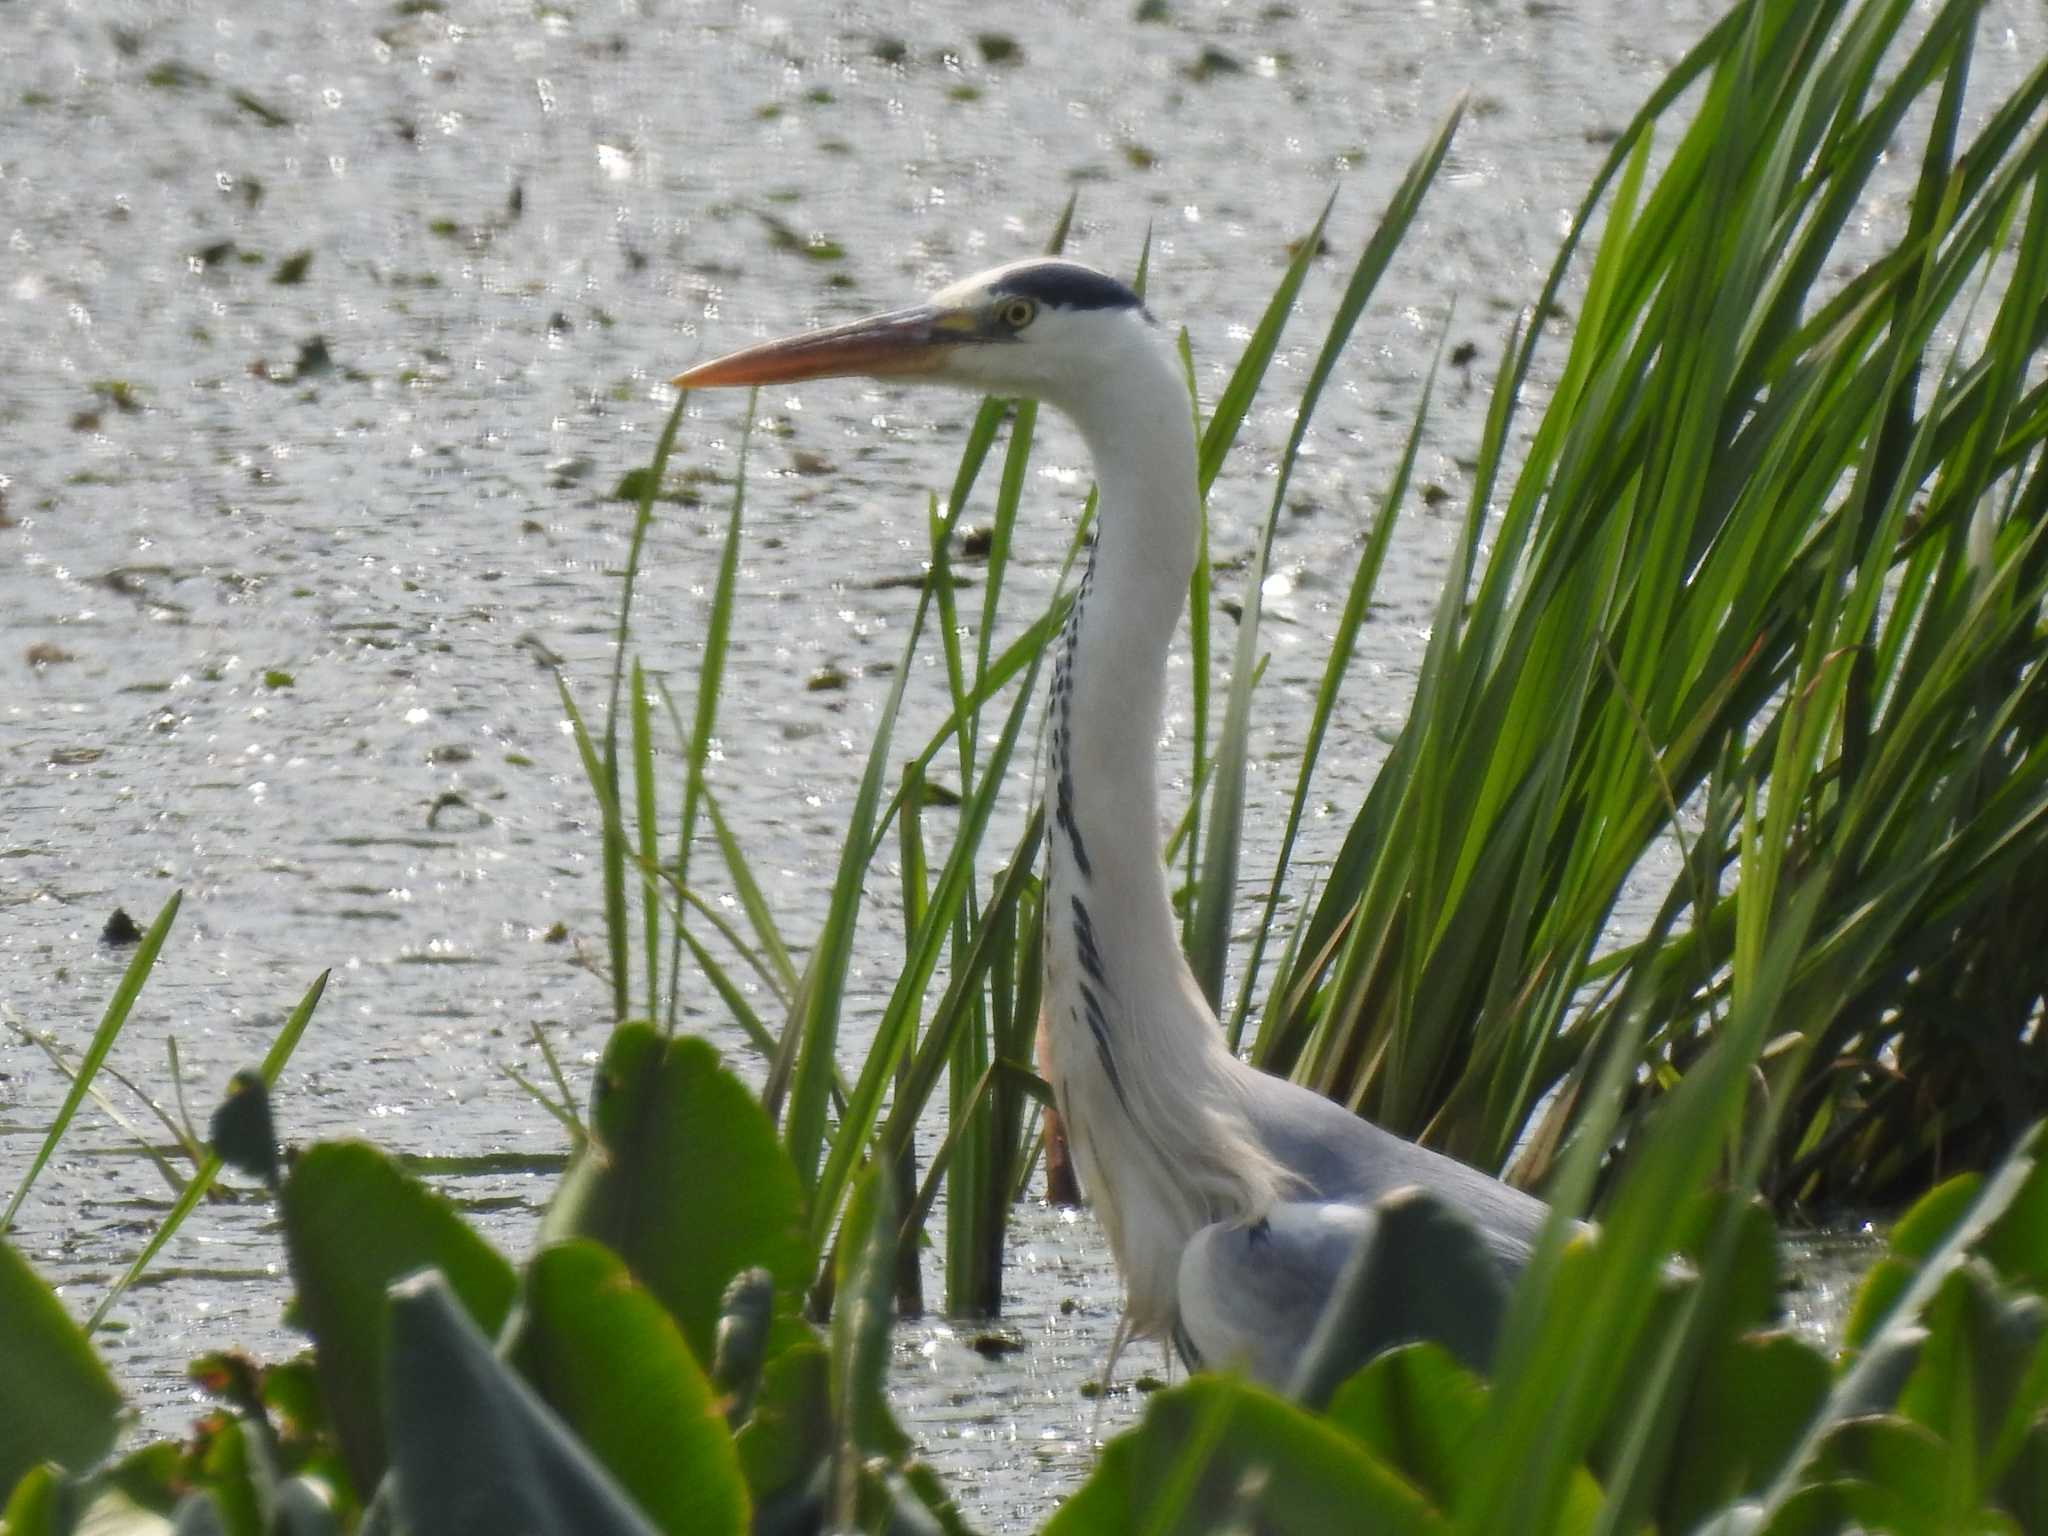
[1110, 678]
[1145, 1082]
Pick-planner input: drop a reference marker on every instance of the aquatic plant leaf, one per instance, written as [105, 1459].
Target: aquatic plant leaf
[242, 1132]
[2023, 1490]
[354, 1224]
[918, 1501]
[1930, 1243]
[785, 1447]
[70, 1416]
[1830, 1508]
[2017, 1243]
[225, 1498]
[1977, 1380]
[1906, 1467]
[1748, 1403]
[1421, 1272]
[1415, 1407]
[1418, 1410]
[608, 1358]
[40, 1504]
[1221, 1454]
[1752, 1294]
[475, 1452]
[1702, 1312]
[683, 1179]
[740, 1345]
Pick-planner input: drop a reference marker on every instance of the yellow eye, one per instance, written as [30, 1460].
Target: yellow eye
[1016, 313]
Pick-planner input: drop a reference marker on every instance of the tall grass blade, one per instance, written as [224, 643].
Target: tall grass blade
[274, 1060]
[103, 1038]
[704, 718]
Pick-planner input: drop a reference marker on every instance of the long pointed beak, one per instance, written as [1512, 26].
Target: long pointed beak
[904, 341]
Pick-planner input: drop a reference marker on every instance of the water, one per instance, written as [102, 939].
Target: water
[283, 560]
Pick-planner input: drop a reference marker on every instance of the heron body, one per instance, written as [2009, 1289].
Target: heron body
[1231, 1198]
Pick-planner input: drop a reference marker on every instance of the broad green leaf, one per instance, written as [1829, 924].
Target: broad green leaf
[1906, 1467]
[60, 1405]
[1418, 1410]
[2018, 1241]
[683, 1179]
[229, 1474]
[1421, 1272]
[354, 1224]
[1745, 1411]
[1935, 1241]
[2024, 1489]
[1979, 1369]
[1695, 1333]
[40, 1504]
[475, 1452]
[242, 1132]
[785, 1447]
[608, 1359]
[1839, 1506]
[1218, 1454]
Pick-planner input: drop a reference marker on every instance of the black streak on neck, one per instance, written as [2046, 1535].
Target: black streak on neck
[1084, 944]
[1098, 1026]
[1062, 742]
[1063, 815]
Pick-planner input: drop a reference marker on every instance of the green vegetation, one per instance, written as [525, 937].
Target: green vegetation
[647, 1369]
[1776, 557]
[1767, 585]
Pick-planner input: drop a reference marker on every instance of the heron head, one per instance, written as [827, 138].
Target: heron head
[1041, 329]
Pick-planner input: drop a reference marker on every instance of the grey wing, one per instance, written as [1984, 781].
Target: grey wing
[1250, 1297]
[1340, 1157]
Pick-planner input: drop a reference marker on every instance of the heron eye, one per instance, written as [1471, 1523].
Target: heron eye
[1015, 314]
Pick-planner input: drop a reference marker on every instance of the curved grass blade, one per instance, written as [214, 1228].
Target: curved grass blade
[202, 1178]
[704, 720]
[111, 1023]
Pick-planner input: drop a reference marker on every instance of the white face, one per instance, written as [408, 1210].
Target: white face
[1049, 331]
[1022, 345]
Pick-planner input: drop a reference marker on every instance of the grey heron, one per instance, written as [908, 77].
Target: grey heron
[1232, 1198]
